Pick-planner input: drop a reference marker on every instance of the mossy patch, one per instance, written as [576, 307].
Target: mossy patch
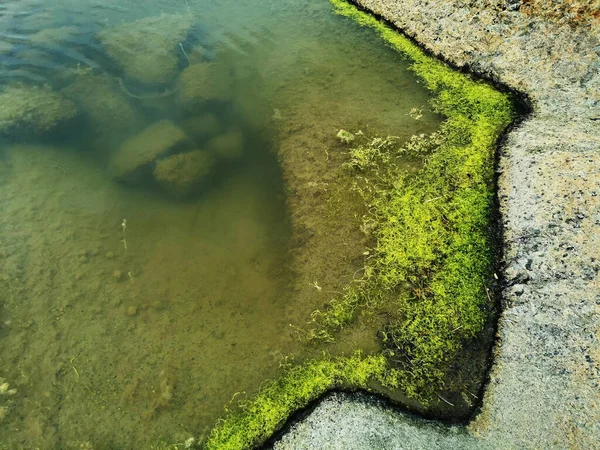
[433, 260]
[300, 384]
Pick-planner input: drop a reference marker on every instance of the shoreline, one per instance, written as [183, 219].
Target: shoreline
[543, 385]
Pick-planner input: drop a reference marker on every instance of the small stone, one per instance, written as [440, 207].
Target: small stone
[132, 311]
[117, 275]
[109, 255]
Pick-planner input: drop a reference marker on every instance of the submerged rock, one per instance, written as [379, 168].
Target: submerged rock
[54, 36]
[112, 116]
[180, 174]
[202, 82]
[36, 107]
[147, 49]
[145, 148]
[228, 146]
[202, 127]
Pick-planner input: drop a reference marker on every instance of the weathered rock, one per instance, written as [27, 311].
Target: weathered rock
[180, 174]
[141, 151]
[147, 49]
[35, 107]
[228, 146]
[202, 127]
[203, 82]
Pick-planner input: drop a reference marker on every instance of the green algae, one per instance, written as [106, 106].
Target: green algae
[432, 262]
[300, 384]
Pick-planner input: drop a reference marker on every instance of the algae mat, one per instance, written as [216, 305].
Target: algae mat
[135, 308]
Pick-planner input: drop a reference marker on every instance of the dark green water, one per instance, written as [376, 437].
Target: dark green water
[160, 165]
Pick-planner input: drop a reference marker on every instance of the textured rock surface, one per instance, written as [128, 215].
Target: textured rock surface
[544, 389]
[147, 48]
[37, 108]
[180, 174]
[202, 82]
[144, 148]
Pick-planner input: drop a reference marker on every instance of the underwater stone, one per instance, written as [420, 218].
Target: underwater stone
[36, 107]
[228, 146]
[202, 82]
[145, 147]
[202, 127]
[54, 36]
[147, 49]
[180, 174]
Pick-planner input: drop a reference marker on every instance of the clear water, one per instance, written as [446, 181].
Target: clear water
[133, 310]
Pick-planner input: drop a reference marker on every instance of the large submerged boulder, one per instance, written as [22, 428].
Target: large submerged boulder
[148, 49]
[36, 108]
[138, 154]
[204, 82]
[182, 173]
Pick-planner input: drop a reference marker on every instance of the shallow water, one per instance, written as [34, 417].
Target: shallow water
[134, 307]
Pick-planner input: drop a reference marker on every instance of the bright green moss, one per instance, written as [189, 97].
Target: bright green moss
[261, 416]
[433, 256]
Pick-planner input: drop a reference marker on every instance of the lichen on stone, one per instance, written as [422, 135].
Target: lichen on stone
[148, 49]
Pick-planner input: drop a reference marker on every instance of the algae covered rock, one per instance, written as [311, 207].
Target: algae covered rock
[202, 127]
[180, 174]
[36, 107]
[111, 115]
[143, 149]
[229, 146]
[148, 49]
[54, 36]
[203, 82]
